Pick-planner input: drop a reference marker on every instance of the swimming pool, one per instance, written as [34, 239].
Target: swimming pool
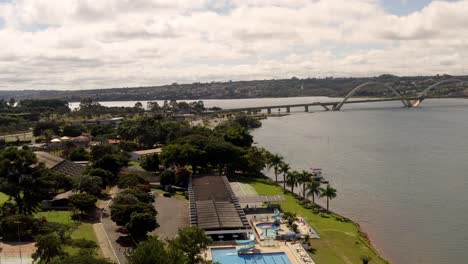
[269, 229]
[230, 256]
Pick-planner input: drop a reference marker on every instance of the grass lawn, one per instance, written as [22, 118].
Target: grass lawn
[81, 230]
[134, 163]
[339, 241]
[178, 195]
[3, 198]
[62, 217]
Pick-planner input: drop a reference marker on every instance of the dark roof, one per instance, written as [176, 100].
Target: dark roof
[60, 165]
[213, 205]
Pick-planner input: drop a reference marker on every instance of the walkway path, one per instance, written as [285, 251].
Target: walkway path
[173, 213]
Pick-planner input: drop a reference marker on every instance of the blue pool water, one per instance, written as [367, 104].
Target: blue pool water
[268, 229]
[230, 256]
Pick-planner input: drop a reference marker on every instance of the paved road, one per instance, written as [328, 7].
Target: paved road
[173, 213]
[111, 230]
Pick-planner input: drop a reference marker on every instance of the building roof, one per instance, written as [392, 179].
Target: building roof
[261, 199]
[60, 165]
[213, 205]
[81, 138]
[49, 160]
[148, 151]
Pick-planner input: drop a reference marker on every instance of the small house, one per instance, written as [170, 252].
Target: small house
[137, 155]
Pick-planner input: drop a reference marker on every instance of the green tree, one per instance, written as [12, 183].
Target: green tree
[99, 151]
[291, 179]
[26, 182]
[192, 241]
[329, 193]
[130, 181]
[80, 259]
[284, 169]
[48, 246]
[168, 177]
[275, 162]
[79, 154]
[150, 162]
[139, 194]
[89, 184]
[140, 224]
[106, 176]
[313, 189]
[53, 127]
[71, 131]
[111, 162]
[155, 251]
[125, 204]
[303, 178]
[83, 202]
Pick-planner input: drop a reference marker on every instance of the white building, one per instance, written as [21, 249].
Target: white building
[137, 155]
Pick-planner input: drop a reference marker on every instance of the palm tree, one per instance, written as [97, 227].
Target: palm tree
[304, 177]
[328, 192]
[284, 168]
[291, 179]
[313, 189]
[274, 162]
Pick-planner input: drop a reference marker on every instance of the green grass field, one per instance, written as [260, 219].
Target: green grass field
[340, 242]
[81, 230]
[3, 198]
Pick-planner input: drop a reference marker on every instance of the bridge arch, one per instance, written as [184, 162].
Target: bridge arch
[423, 94]
[359, 87]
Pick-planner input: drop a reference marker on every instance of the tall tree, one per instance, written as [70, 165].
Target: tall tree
[192, 241]
[284, 169]
[83, 202]
[48, 246]
[313, 189]
[304, 177]
[275, 162]
[155, 251]
[26, 182]
[291, 179]
[328, 192]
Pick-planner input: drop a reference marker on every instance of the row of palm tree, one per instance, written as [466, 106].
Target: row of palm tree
[311, 186]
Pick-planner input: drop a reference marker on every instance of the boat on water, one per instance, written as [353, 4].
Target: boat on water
[317, 175]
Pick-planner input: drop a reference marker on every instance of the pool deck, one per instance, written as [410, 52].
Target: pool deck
[280, 247]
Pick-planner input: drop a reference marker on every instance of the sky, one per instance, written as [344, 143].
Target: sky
[87, 44]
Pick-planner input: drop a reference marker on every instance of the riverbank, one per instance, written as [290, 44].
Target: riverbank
[341, 240]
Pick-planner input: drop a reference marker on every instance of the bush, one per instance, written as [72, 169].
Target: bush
[84, 243]
[150, 162]
[130, 181]
[79, 154]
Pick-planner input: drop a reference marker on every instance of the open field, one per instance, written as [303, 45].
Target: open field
[80, 231]
[340, 242]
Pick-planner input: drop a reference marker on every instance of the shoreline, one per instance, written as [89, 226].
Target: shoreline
[363, 236]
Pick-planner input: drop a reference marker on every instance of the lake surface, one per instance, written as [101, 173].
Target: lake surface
[402, 174]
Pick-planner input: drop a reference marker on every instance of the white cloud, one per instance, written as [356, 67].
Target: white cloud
[73, 44]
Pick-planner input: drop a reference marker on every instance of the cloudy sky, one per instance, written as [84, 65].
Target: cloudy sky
[84, 44]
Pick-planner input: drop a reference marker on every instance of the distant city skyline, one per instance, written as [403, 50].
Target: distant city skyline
[85, 44]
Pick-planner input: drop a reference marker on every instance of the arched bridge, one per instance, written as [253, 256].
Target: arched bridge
[413, 101]
[424, 93]
[368, 84]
